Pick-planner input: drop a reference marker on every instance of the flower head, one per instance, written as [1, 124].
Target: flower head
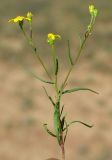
[29, 16]
[52, 37]
[17, 19]
[93, 11]
[20, 19]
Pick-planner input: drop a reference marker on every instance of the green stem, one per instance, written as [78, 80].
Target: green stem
[54, 57]
[31, 30]
[80, 51]
[54, 68]
[40, 60]
[88, 32]
[76, 60]
[35, 51]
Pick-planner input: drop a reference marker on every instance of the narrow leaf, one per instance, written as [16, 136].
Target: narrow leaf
[66, 131]
[69, 54]
[61, 110]
[35, 76]
[78, 89]
[62, 123]
[56, 67]
[50, 98]
[85, 124]
[48, 131]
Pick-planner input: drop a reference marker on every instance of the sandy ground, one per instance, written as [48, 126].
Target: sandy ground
[24, 108]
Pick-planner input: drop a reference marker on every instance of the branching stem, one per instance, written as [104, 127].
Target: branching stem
[76, 60]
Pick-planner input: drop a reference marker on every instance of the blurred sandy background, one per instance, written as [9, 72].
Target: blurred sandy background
[24, 106]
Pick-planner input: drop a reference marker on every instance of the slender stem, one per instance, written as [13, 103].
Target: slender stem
[80, 51]
[67, 76]
[58, 100]
[31, 32]
[56, 85]
[37, 55]
[35, 51]
[63, 151]
[76, 60]
[62, 147]
[54, 57]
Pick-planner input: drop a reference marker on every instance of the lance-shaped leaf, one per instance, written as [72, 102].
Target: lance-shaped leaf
[69, 53]
[66, 131]
[48, 131]
[50, 98]
[35, 76]
[61, 110]
[56, 66]
[85, 124]
[62, 122]
[78, 89]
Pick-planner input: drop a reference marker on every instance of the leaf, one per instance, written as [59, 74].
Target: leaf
[61, 110]
[48, 131]
[62, 123]
[66, 131]
[35, 76]
[69, 54]
[50, 98]
[85, 124]
[56, 67]
[78, 89]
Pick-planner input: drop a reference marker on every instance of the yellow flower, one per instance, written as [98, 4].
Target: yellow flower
[52, 37]
[17, 19]
[93, 11]
[29, 16]
[91, 8]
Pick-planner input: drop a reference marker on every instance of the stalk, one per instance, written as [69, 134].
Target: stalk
[62, 148]
[35, 51]
[63, 151]
[76, 60]
[58, 99]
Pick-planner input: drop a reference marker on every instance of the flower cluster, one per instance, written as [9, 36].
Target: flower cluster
[52, 37]
[93, 11]
[17, 19]
[22, 18]
[29, 17]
